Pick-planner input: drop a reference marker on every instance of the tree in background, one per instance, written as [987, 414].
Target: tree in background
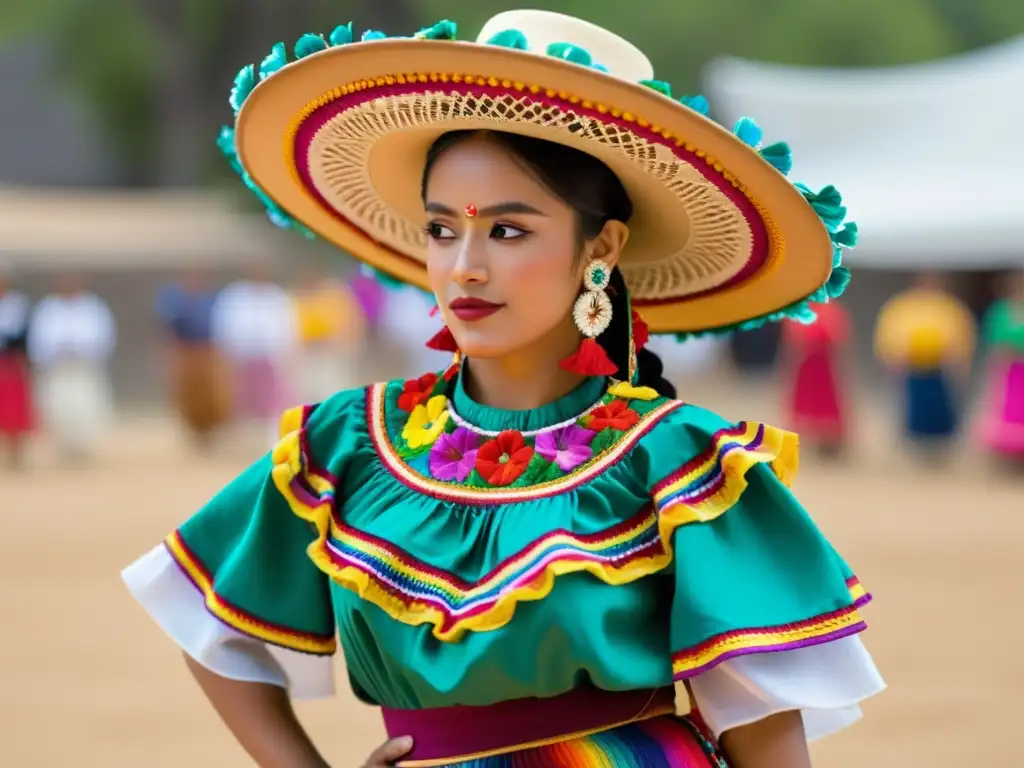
[158, 71]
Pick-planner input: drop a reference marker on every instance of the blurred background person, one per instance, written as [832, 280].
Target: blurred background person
[332, 332]
[369, 293]
[1002, 419]
[72, 336]
[16, 407]
[199, 384]
[254, 323]
[927, 337]
[815, 397]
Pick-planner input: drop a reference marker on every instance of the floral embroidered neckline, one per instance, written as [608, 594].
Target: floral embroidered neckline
[435, 441]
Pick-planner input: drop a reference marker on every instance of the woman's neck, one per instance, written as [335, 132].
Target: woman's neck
[526, 379]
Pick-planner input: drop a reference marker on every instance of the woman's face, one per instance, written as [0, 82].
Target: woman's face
[505, 278]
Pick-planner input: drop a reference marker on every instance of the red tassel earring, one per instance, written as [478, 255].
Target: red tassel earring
[641, 333]
[443, 341]
[593, 315]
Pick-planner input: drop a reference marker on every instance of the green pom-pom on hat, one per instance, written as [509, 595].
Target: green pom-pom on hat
[779, 156]
[665, 89]
[309, 44]
[697, 103]
[570, 52]
[509, 38]
[244, 83]
[748, 132]
[275, 60]
[443, 30]
[342, 35]
[372, 34]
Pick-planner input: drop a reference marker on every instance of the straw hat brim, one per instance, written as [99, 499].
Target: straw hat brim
[338, 139]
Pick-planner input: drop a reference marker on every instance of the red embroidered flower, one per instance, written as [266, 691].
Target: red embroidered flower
[416, 391]
[450, 373]
[502, 460]
[616, 415]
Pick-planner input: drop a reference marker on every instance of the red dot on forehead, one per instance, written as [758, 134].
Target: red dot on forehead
[471, 210]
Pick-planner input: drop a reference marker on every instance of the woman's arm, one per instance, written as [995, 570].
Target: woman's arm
[777, 741]
[261, 718]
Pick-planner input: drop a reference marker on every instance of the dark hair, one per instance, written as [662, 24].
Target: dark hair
[597, 196]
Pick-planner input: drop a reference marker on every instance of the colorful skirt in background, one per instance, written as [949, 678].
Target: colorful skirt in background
[661, 742]
[16, 408]
[930, 410]
[1002, 426]
[200, 387]
[815, 405]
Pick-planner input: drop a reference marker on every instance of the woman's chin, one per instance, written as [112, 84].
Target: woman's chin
[481, 349]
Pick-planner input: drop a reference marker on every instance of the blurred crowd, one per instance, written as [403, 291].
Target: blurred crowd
[232, 356]
[236, 355]
[929, 341]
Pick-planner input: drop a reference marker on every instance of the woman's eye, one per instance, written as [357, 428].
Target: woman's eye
[506, 232]
[438, 231]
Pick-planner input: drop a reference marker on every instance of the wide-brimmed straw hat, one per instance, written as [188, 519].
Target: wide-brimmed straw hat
[335, 141]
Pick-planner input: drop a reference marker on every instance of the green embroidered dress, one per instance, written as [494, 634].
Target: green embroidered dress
[467, 555]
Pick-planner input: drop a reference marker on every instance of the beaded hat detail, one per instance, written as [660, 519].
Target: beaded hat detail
[334, 143]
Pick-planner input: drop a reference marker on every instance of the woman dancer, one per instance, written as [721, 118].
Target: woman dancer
[16, 408]
[817, 402]
[1002, 426]
[927, 336]
[522, 552]
[200, 382]
[72, 337]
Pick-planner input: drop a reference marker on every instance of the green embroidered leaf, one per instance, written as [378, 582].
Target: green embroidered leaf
[605, 439]
[476, 480]
[551, 472]
[538, 465]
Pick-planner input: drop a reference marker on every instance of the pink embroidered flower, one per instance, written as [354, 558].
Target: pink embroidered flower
[567, 447]
[454, 456]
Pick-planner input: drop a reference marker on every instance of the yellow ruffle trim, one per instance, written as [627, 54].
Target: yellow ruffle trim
[777, 448]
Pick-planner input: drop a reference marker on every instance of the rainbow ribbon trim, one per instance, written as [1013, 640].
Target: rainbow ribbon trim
[414, 592]
[235, 617]
[825, 628]
[703, 488]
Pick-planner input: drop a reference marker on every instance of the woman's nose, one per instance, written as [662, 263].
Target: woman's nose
[471, 263]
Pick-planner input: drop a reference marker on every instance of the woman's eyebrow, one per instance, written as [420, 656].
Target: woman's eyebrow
[491, 211]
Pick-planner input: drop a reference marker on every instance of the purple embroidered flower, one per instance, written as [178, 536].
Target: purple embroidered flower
[453, 456]
[567, 447]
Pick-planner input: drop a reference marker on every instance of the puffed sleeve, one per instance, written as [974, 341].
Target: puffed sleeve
[233, 585]
[765, 613]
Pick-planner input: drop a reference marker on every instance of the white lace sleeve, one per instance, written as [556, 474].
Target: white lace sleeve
[825, 682]
[174, 603]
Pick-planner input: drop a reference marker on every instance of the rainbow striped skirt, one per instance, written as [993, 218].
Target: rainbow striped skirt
[661, 742]
[582, 728]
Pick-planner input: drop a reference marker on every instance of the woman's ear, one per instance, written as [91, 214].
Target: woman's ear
[608, 245]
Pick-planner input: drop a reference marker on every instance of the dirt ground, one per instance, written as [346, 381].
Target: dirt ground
[87, 680]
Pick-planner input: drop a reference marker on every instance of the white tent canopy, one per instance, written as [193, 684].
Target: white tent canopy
[929, 158]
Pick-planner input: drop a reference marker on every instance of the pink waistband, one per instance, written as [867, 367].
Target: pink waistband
[449, 734]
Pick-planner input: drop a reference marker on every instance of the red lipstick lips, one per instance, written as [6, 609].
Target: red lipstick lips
[469, 310]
